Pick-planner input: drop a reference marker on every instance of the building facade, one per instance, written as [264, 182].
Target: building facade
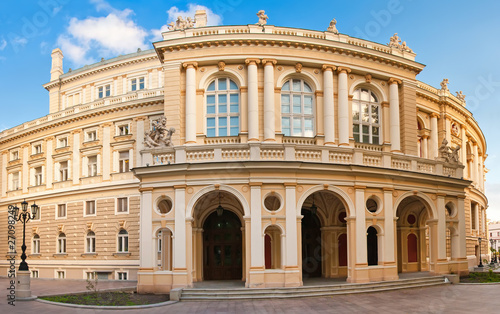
[286, 154]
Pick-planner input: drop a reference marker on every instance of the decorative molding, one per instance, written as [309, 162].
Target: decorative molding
[328, 67]
[393, 80]
[251, 61]
[343, 70]
[272, 62]
[298, 67]
[221, 65]
[188, 65]
[368, 78]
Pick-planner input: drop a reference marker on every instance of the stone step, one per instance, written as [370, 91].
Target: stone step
[305, 289]
[317, 287]
[316, 291]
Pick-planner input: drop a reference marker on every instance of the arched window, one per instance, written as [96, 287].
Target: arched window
[297, 116]
[61, 243]
[272, 247]
[123, 241]
[90, 242]
[164, 245]
[372, 244]
[35, 248]
[223, 108]
[365, 117]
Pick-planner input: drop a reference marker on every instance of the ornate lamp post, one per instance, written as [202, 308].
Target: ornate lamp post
[23, 289]
[480, 259]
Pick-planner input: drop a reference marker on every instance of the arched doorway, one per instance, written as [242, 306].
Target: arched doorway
[311, 245]
[324, 235]
[372, 246]
[413, 239]
[222, 247]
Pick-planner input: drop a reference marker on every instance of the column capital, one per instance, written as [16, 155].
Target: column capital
[142, 190]
[359, 187]
[441, 194]
[434, 115]
[272, 62]
[328, 67]
[461, 197]
[188, 65]
[251, 61]
[252, 184]
[290, 184]
[244, 89]
[180, 187]
[343, 70]
[385, 104]
[393, 80]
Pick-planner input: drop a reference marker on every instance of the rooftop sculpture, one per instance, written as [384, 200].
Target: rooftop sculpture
[333, 28]
[395, 42]
[262, 18]
[447, 154]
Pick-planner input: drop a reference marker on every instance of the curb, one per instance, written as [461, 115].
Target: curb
[107, 307]
[478, 283]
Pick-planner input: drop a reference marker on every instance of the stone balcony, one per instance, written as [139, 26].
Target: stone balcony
[361, 154]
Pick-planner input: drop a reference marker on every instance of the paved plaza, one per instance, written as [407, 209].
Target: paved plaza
[440, 299]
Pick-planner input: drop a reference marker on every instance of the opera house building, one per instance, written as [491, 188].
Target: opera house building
[258, 153]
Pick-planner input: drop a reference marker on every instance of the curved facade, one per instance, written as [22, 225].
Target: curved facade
[296, 154]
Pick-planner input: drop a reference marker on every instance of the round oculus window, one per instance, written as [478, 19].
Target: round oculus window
[371, 205]
[272, 203]
[164, 206]
[411, 219]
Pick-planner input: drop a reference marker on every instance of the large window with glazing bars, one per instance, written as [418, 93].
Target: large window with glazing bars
[223, 108]
[366, 117]
[297, 114]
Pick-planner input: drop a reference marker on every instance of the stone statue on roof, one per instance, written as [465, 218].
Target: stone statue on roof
[395, 42]
[444, 84]
[262, 18]
[181, 24]
[333, 28]
[447, 154]
[461, 96]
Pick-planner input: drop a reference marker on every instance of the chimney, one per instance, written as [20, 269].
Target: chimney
[57, 64]
[200, 18]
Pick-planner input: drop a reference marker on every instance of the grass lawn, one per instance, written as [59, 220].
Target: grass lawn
[481, 277]
[109, 298]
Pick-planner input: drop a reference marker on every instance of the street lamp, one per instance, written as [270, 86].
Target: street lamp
[480, 260]
[492, 262]
[23, 290]
[24, 217]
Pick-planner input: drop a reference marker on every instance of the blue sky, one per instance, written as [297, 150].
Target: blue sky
[455, 39]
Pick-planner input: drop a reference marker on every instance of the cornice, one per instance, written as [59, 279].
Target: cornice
[164, 48]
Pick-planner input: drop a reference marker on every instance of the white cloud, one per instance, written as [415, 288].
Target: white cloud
[3, 44]
[108, 36]
[174, 12]
[19, 41]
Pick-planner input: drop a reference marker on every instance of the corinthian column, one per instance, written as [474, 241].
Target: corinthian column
[328, 105]
[343, 107]
[190, 131]
[395, 129]
[269, 120]
[253, 100]
[434, 135]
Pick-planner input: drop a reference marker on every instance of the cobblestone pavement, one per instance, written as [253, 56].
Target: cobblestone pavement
[440, 299]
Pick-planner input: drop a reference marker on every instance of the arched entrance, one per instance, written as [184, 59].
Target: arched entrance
[222, 245]
[218, 237]
[324, 236]
[413, 238]
[311, 245]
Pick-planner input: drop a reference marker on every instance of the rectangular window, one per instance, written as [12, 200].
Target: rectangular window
[34, 274]
[137, 83]
[61, 211]
[37, 149]
[122, 275]
[92, 166]
[90, 275]
[473, 216]
[123, 129]
[91, 243]
[122, 206]
[14, 155]
[61, 274]
[36, 245]
[38, 176]
[123, 162]
[61, 244]
[62, 142]
[15, 181]
[90, 208]
[91, 136]
[123, 242]
[63, 171]
[104, 91]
